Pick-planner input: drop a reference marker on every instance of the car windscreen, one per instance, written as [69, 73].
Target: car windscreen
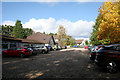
[109, 48]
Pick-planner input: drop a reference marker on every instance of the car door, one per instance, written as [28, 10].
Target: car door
[40, 48]
[17, 52]
[118, 52]
[11, 51]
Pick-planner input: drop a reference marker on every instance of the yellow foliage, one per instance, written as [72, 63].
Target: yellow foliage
[109, 22]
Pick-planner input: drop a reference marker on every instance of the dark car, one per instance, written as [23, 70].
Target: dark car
[17, 51]
[89, 47]
[49, 48]
[34, 50]
[93, 52]
[109, 57]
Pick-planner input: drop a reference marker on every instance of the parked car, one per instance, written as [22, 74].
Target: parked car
[86, 47]
[94, 50]
[34, 50]
[49, 48]
[55, 47]
[65, 47]
[59, 48]
[43, 49]
[109, 57]
[75, 46]
[89, 47]
[17, 51]
[93, 53]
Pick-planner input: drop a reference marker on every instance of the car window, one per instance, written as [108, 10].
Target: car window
[34, 48]
[118, 48]
[29, 48]
[12, 48]
[109, 48]
[19, 48]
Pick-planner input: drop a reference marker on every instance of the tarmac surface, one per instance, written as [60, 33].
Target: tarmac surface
[67, 63]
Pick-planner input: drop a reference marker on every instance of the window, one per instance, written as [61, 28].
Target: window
[12, 45]
[109, 48]
[29, 49]
[19, 48]
[13, 49]
[5, 46]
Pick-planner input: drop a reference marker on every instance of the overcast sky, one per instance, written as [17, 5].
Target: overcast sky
[77, 17]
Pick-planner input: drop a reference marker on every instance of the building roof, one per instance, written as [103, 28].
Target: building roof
[6, 37]
[29, 41]
[79, 41]
[40, 37]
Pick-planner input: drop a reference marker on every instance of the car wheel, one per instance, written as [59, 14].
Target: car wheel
[43, 52]
[111, 66]
[55, 49]
[4, 54]
[22, 55]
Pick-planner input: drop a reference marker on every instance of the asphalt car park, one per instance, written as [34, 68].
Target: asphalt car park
[65, 63]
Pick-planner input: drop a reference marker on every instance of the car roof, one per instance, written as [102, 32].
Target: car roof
[114, 45]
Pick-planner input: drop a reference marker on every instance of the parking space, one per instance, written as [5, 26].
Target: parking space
[66, 63]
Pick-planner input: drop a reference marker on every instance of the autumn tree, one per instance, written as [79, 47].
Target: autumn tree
[62, 36]
[109, 28]
[70, 40]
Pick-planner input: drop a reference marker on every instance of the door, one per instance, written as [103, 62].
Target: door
[11, 51]
[118, 52]
[18, 51]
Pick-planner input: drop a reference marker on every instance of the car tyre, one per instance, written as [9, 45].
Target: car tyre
[111, 66]
[4, 54]
[55, 49]
[43, 51]
[22, 55]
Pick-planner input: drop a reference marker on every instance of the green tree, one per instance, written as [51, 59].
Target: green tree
[52, 33]
[86, 42]
[7, 29]
[27, 32]
[43, 32]
[55, 33]
[18, 31]
[93, 38]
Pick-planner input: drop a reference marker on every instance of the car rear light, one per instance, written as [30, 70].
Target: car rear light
[24, 50]
[99, 47]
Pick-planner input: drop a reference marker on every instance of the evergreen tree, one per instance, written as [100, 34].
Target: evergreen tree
[93, 38]
[18, 31]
